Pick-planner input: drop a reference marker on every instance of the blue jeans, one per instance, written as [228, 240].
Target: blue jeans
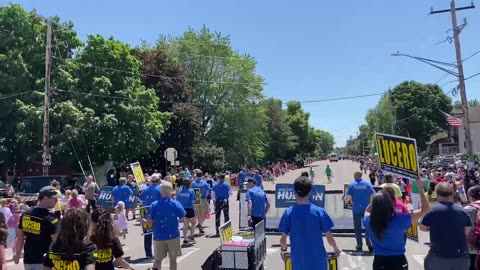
[147, 244]
[357, 226]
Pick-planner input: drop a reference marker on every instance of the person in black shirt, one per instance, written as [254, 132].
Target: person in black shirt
[110, 252]
[72, 249]
[36, 229]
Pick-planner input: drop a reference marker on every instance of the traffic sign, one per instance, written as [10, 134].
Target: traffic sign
[170, 154]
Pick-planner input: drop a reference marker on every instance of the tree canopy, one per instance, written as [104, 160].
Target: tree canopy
[114, 102]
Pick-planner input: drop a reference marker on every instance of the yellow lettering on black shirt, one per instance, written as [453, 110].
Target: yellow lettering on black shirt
[31, 225]
[66, 265]
[103, 255]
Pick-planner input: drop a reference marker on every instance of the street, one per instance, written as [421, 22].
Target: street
[194, 256]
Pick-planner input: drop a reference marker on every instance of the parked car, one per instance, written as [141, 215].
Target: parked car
[28, 187]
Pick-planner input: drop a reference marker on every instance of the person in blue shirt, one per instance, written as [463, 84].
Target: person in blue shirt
[240, 181]
[122, 193]
[164, 214]
[386, 229]
[359, 191]
[258, 204]
[305, 224]
[186, 197]
[149, 195]
[221, 193]
[258, 179]
[201, 210]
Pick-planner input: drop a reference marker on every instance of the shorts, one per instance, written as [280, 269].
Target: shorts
[189, 213]
[202, 209]
[166, 247]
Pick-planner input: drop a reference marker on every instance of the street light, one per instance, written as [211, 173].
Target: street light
[461, 86]
[433, 63]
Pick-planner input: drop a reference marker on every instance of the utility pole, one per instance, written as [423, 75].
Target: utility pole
[392, 116]
[46, 125]
[461, 77]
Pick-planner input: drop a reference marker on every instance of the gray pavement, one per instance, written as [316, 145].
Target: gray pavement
[194, 256]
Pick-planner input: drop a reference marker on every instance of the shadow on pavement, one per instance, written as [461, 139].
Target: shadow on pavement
[352, 252]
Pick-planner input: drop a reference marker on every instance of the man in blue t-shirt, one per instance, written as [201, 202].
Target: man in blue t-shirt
[165, 214]
[240, 181]
[360, 192]
[221, 194]
[201, 210]
[148, 196]
[258, 204]
[449, 225]
[305, 224]
[122, 193]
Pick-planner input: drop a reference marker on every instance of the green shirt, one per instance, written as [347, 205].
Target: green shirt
[328, 171]
[312, 173]
[424, 183]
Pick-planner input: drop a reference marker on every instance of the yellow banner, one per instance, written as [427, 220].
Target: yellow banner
[412, 232]
[226, 232]
[331, 260]
[397, 154]
[198, 195]
[137, 172]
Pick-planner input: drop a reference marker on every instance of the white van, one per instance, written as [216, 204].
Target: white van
[333, 157]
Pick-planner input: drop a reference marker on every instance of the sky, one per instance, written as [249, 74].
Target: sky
[305, 50]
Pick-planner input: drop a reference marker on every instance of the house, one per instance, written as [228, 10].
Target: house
[474, 115]
[452, 140]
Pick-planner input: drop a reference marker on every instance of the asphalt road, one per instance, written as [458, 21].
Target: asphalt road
[194, 256]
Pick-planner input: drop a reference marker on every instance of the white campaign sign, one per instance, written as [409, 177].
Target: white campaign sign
[342, 218]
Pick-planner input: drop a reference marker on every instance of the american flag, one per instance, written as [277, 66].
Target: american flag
[453, 121]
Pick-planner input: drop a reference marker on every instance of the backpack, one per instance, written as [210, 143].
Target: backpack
[474, 237]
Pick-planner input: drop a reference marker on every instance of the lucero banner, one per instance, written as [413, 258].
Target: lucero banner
[397, 155]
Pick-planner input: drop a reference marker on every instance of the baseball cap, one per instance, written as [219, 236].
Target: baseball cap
[49, 192]
[251, 180]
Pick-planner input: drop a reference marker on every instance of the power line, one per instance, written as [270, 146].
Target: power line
[341, 98]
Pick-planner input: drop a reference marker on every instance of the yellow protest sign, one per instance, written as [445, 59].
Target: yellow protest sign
[147, 228]
[226, 232]
[412, 232]
[198, 195]
[331, 260]
[137, 172]
[397, 154]
[347, 204]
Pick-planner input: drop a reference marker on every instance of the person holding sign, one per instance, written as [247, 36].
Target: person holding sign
[186, 196]
[386, 227]
[305, 224]
[201, 210]
[359, 192]
[164, 214]
[449, 226]
[148, 196]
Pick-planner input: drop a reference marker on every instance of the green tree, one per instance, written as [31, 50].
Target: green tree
[417, 110]
[471, 103]
[227, 92]
[280, 138]
[298, 121]
[170, 82]
[22, 68]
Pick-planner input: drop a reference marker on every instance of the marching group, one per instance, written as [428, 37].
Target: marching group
[69, 231]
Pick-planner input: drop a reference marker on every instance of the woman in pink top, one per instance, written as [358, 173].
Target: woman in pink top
[398, 205]
[75, 201]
